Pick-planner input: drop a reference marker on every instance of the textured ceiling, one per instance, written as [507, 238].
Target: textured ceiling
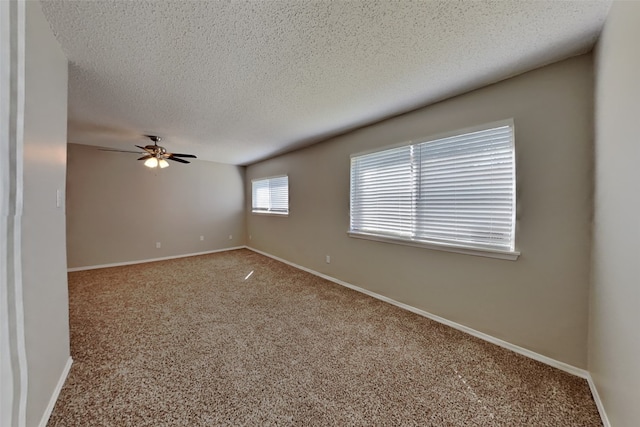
[239, 81]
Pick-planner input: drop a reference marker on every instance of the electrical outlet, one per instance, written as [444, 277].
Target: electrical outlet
[201, 238]
[249, 236]
[158, 245]
[230, 237]
[328, 259]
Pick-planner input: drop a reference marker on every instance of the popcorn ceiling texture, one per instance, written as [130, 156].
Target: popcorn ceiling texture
[238, 81]
[200, 342]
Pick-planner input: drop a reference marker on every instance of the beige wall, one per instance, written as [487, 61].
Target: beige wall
[614, 345]
[43, 224]
[540, 301]
[117, 209]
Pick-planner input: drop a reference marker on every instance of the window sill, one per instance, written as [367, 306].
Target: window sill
[489, 253]
[270, 214]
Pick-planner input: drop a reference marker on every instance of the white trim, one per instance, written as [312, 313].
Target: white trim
[489, 253]
[6, 362]
[596, 398]
[269, 177]
[142, 261]
[19, 319]
[7, 365]
[20, 331]
[56, 392]
[267, 213]
[14, 359]
[485, 337]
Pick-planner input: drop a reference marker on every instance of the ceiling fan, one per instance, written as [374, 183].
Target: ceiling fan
[155, 155]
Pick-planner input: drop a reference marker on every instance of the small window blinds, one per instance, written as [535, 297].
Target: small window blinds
[270, 195]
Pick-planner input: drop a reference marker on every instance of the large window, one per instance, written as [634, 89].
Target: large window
[453, 193]
[270, 195]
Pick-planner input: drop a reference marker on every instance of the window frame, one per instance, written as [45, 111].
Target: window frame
[441, 246]
[269, 212]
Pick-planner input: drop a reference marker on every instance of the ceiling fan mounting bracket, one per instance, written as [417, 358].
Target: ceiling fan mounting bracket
[154, 138]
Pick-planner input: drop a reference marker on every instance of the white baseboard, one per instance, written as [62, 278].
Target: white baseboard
[56, 393]
[497, 341]
[596, 397]
[582, 373]
[142, 261]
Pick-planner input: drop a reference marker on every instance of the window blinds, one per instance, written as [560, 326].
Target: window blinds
[383, 192]
[270, 195]
[456, 191]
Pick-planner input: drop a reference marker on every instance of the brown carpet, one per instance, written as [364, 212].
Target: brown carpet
[195, 342]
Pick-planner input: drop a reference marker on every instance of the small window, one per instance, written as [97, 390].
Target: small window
[270, 195]
[452, 192]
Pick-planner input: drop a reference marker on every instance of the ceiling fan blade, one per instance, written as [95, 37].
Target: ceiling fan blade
[191, 156]
[145, 149]
[118, 151]
[148, 156]
[175, 159]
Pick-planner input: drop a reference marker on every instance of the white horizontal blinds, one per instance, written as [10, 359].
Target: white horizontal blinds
[279, 194]
[271, 195]
[456, 191]
[260, 195]
[383, 189]
[466, 192]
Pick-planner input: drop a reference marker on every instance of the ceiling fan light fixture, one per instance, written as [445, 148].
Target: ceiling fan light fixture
[163, 164]
[152, 163]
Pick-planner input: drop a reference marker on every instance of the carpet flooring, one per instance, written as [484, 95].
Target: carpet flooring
[239, 339]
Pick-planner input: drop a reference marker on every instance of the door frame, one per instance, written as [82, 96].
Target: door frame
[13, 361]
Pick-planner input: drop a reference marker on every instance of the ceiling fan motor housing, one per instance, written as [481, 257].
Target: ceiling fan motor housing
[156, 150]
